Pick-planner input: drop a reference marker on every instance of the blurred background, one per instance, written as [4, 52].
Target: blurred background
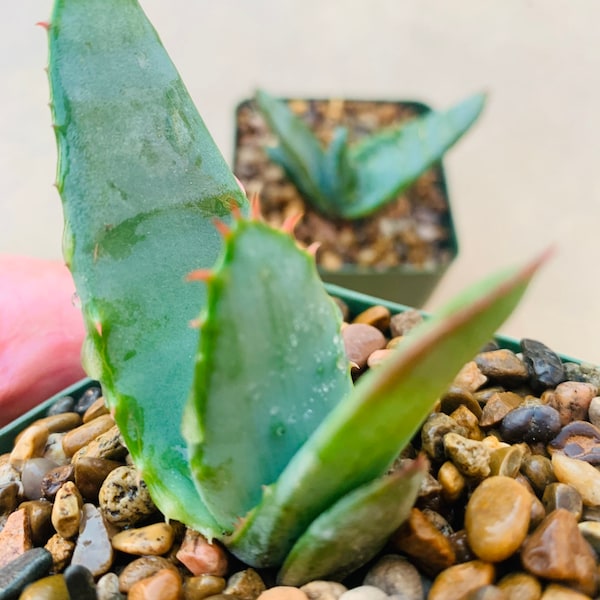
[525, 177]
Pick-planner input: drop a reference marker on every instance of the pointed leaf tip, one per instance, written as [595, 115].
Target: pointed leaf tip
[313, 248]
[222, 227]
[290, 223]
[44, 24]
[199, 275]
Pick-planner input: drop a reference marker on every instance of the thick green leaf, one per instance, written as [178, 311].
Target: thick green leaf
[271, 365]
[388, 162]
[361, 436]
[140, 180]
[299, 152]
[354, 529]
[354, 181]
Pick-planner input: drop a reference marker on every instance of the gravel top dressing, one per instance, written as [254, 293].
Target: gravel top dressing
[510, 508]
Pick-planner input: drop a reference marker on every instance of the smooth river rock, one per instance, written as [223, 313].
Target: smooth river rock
[497, 518]
[557, 551]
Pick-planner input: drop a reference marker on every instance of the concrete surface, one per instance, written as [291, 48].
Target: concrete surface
[527, 176]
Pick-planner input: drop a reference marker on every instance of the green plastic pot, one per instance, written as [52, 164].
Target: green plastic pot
[406, 283]
[356, 301]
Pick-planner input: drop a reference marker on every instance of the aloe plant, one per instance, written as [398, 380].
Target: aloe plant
[350, 181]
[281, 457]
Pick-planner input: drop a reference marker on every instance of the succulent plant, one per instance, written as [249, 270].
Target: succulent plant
[350, 181]
[281, 457]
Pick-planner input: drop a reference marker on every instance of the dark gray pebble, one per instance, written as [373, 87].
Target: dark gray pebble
[531, 424]
[546, 370]
[62, 405]
[80, 582]
[87, 399]
[27, 568]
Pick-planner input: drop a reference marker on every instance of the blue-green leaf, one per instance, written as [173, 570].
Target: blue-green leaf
[140, 179]
[271, 365]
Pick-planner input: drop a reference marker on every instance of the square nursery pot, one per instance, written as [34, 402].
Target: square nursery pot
[427, 554]
[402, 251]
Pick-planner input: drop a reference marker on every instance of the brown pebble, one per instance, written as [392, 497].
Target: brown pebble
[66, 510]
[61, 422]
[15, 537]
[153, 540]
[283, 592]
[95, 410]
[402, 323]
[460, 545]
[471, 458]
[539, 472]
[200, 556]
[562, 495]
[8, 498]
[142, 568]
[202, 586]
[360, 341]
[246, 584]
[506, 461]
[40, 513]
[456, 582]
[571, 399]
[108, 445]
[54, 479]
[455, 397]
[89, 474]
[53, 587]
[470, 377]
[84, 434]
[503, 366]
[497, 407]
[61, 550]
[497, 518]
[433, 431]
[377, 316]
[165, 584]
[452, 481]
[30, 444]
[555, 591]
[421, 540]
[124, 498]
[467, 419]
[557, 551]
[520, 586]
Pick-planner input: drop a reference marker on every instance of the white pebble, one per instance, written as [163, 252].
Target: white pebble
[364, 592]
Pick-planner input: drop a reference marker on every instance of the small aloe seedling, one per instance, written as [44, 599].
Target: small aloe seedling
[350, 181]
[281, 457]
